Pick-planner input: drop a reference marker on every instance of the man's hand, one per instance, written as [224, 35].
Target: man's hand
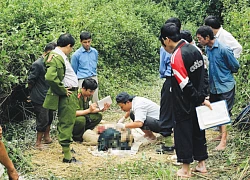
[120, 126]
[93, 108]
[207, 103]
[106, 107]
[121, 120]
[68, 92]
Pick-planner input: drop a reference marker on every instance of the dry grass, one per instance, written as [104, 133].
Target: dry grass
[48, 163]
[232, 163]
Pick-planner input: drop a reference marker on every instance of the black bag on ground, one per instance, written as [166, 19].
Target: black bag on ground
[110, 138]
[242, 121]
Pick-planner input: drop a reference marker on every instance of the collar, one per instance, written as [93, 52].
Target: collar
[216, 44]
[219, 32]
[84, 50]
[59, 51]
[180, 44]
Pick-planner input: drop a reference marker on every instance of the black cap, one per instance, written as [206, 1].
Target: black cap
[123, 97]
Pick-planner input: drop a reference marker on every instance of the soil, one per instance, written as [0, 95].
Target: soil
[48, 162]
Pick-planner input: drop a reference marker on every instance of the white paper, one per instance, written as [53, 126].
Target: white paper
[103, 101]
[217, 116]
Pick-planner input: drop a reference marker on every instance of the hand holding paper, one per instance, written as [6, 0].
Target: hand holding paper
[107, 100]
[208, 118]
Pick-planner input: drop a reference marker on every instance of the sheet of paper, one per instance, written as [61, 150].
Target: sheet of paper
[103, 101]
[217, 116]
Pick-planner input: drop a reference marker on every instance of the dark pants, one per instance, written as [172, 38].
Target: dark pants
[83, 123]
[150, 123]
[44, 117]
[190, 141]
[228, 96]
[166, 108]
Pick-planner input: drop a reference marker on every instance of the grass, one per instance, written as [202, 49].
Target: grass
[233, 163]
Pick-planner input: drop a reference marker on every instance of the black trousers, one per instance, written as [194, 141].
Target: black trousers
[190, 141]
[44, 117]
[150, 123]
[166, 109]
[228, 96]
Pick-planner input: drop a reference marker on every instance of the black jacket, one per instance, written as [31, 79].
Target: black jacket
[189, 86]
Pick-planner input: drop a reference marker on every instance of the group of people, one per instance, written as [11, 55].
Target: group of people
[71, 88]
[68, 87]
[190, 81]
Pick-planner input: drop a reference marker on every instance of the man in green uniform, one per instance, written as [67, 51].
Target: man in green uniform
[88, 116]
[62, 94]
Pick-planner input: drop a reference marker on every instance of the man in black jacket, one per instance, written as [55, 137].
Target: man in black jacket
[189, 91]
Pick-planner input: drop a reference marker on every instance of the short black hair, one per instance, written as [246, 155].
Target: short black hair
[65, 39]
[205, 31]
[85, 35]
[186, 34]
[171, 31]
[50, 46]
[174, 20]
[213, 22]
[89, 83]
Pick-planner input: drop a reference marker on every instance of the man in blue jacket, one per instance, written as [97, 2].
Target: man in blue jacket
[222, 65]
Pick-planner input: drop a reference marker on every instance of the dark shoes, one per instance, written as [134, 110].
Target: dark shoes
[72, 160]
[165, 149]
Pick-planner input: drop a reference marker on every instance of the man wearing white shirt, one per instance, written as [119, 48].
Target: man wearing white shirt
[144, 113]
[224, 36]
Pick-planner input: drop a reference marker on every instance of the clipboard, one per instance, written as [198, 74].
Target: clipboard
[101, 102]
[219, 115]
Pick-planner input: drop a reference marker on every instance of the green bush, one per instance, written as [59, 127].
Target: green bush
[124, 32]
[236, 21]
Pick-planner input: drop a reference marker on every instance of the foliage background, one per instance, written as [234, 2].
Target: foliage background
[125, 32]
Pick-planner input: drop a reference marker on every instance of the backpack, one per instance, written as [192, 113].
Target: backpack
[242, 121]
[110, 138]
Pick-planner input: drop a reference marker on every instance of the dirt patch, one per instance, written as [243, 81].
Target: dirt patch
[48, 163]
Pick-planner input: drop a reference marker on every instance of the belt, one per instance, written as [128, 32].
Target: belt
[72, 88]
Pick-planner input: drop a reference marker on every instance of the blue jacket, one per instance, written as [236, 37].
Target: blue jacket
[222, 65]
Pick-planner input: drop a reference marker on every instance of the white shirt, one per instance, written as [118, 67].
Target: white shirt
[70, 79]
[227, 39]
[142, 107]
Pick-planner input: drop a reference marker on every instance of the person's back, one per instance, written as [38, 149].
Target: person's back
[39, 88]
[145, 107]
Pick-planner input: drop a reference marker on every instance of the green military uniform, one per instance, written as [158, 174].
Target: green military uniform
[57, 98]
[85, 122]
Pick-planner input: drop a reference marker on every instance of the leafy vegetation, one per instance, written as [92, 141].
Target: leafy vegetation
[125, 32]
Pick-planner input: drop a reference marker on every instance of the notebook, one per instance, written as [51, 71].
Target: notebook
[101, 102]
[219, 115]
